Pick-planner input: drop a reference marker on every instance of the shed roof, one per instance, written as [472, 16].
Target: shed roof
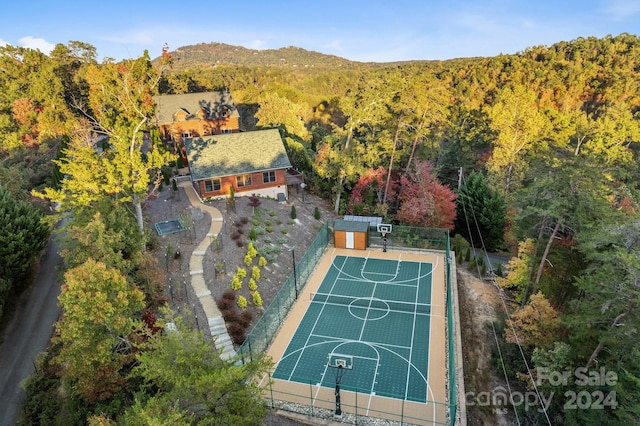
[372, 220]
[232, 154]
[214, 103]
[350, 226]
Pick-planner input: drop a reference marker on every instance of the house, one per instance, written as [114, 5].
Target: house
[251, 162]
[195, 115]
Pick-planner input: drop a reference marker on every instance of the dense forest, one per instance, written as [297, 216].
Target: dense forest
[533, 154]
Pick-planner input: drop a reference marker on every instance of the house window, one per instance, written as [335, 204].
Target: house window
[244, 180]
[185, 135]
[227, 131]
[269, 176]
[212, 185]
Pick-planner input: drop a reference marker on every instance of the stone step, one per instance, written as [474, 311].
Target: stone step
[217, 330]
[215, 321]
[227, 354]
[203, 294]
[199, 253]
[196, 272]
[222, 340]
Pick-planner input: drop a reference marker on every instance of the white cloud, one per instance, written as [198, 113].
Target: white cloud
[37, 44]
[3, 43]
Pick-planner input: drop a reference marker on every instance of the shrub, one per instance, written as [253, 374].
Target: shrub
[240, 231]
[255, 273]
[240, 243]
[294, 214]
[290, 222]
[236, 332]
[255, 222]
[272, 214]
[262, 262]
[282, 240]
[219, 268]
[245, 319]
[229, 295]
[284, 231]
[268, 229]
[241, 273]
[230, 315]
[267, 222]
[244, 220]
[259, 230]
[236, 284]
[242, 302]
[248, 259]
[252, 234]
[316, 213]
[235, 236]
[267, 240]
[224, 304]
[252, 284]
[257, 299]
[251, 250]
[174, 185]
[278, 222]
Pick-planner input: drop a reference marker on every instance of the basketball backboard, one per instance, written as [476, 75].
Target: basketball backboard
[340, 361]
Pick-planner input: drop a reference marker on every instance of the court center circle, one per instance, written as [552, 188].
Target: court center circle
[369, 308]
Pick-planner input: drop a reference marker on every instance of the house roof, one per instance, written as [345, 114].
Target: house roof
[213, 103]
[235, 154]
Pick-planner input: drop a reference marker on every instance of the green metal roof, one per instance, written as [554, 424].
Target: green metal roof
[191, 103]
[350, 226]
[235, 154]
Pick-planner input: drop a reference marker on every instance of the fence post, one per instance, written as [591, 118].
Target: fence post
[311, 398]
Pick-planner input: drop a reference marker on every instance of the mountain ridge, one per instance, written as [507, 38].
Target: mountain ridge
[214, 54]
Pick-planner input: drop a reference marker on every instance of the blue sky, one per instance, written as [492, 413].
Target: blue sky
[361, 30]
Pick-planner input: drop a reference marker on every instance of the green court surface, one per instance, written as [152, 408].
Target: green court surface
[378, 313]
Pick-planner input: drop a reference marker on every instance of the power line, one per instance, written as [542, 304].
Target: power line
[506, 310]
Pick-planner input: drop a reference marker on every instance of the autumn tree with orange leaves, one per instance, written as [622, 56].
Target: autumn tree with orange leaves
[425, 201]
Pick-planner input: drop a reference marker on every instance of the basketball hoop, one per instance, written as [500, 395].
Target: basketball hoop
[384, 229]
[339, 363]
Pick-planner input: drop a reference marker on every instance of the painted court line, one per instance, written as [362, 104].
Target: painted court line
[397, 357]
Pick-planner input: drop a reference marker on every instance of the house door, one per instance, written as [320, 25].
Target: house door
[349, 243]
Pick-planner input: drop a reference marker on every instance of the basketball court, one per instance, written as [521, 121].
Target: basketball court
[367, 336]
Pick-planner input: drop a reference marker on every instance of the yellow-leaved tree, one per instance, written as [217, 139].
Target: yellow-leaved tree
[98, 305]
[535, 325]
[519, 268]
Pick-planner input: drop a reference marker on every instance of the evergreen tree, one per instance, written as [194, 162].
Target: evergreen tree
[481, 209]
[22, 236]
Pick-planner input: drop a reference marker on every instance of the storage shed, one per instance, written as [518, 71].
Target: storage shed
[351, 235]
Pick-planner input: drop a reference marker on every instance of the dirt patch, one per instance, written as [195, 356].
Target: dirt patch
[479, 303]
[277, 233]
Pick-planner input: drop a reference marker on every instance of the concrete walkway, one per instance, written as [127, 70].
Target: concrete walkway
[216, 323]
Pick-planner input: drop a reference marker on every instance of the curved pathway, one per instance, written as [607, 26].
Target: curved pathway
[216, 323]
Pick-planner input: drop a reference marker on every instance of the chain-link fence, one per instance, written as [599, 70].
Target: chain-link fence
[402, 237]
[268, 325]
